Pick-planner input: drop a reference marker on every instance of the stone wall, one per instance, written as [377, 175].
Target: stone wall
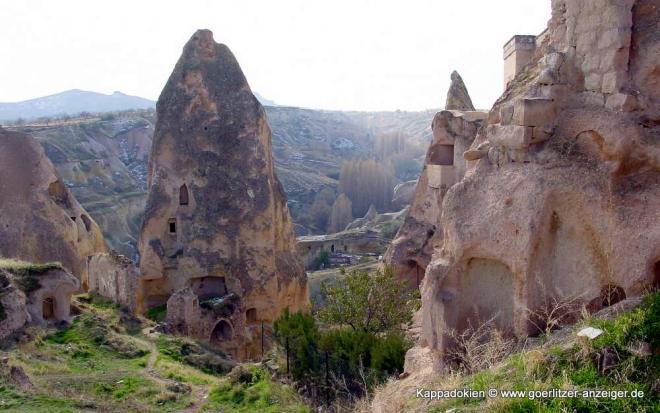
[115, 277]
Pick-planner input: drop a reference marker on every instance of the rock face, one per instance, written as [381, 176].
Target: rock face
[457, 96]
[421, 233]
[216, 218]
[33, 295]
[559, 200]
[41, 220]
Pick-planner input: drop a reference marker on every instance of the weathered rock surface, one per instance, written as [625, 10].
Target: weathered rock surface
[421, 232]
[458, 97]
[403, 194]
[559, 200]
[216, 218]
[31, 295]
[41, 220]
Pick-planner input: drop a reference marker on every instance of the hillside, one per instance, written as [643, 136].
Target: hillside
[103, 158]
[72, 102]
[621, 363]
[109, 360]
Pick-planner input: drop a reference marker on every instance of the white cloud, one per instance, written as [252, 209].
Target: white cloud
[341, 54]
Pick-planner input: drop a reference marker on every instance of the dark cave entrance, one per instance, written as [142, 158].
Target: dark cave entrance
[221, 332]
[183, 195]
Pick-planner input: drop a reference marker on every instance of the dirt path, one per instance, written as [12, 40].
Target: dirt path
[198, 393]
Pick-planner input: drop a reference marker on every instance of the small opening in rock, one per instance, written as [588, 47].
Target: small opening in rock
[87, 222]
[183, 195]
[172, 226]
[221, 332]
[332, 248]
[442, 155]
[611, 294]
[251, 315]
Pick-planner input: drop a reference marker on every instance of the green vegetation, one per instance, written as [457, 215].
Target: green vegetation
[374, 302]
[322, 260]
[254, 392]
[196, 354]
[107, 361]
[355, 342]
[27, 274]
[157, 313]
[621, 359]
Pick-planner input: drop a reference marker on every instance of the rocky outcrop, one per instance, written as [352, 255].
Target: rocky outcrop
[41, 220]
[33, 294]
[216, 218]
[458, 97]
[403, 194]
[421, 232]
[559, 200]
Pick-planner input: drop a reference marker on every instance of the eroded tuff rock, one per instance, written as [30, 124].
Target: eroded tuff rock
[217, 220]
[561, 193]
[41, 220]
[458, 97]
[421, 233]
[34, 295]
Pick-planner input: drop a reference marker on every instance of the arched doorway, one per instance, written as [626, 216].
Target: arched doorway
[183, 195]
[222, 332]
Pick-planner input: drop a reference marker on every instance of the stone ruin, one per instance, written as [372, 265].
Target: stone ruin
[560, 191]
[217, 245]
[114, 276]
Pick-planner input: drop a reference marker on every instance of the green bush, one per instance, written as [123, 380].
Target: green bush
[322, 260]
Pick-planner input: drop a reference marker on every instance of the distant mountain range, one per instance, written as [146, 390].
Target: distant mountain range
[74, 101]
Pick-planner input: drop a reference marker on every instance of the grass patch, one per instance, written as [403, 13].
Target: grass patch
[618, 360]
[157, 313]
[204, 357]
[256, 394]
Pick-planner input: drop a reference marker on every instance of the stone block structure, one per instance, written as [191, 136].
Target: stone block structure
[412, 247]
[115, 277]
[558, 198]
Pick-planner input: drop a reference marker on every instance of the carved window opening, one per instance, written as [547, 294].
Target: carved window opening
[87, 222]
[251, 315]
[332, 248]
[183, 195]
[171, 226]
[442, 155]
[209, 287]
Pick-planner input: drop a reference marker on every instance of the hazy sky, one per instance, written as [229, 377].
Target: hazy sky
[332, 54]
